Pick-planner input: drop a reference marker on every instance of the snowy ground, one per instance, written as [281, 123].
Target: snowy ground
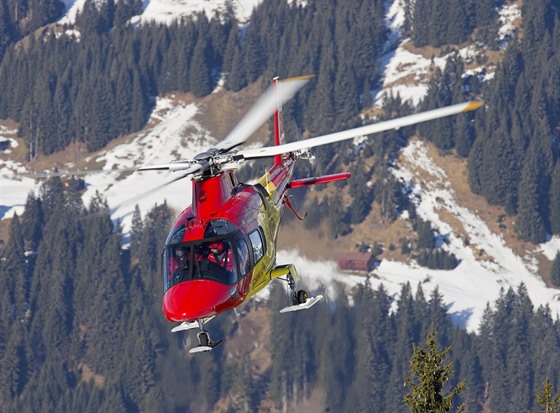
[474, 282]
[167, 11]
[164, 142]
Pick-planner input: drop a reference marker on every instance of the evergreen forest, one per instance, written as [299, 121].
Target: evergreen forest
[81, 327]
[98, 81]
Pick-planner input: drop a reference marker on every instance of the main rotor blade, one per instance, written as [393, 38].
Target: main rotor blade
[136, 198]
[173, 166]
[74, 173]
[361, 131]
[188, 167]
[261, 111]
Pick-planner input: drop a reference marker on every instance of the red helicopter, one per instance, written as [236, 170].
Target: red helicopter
[221, 250]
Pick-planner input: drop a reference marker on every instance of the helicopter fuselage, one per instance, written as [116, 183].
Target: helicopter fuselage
[243, 220]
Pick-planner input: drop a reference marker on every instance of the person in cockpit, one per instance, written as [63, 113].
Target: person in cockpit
[181, 258]
[221, 256]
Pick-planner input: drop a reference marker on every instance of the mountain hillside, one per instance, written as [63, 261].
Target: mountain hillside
[478, 235]
[461, 214]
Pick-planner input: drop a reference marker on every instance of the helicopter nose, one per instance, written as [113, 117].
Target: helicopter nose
[195, 299]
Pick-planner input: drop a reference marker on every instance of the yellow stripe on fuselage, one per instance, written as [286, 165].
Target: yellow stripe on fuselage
[267, 184]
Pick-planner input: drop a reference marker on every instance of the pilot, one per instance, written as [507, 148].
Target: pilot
[181, 258]
[221, 256]
[181, 254]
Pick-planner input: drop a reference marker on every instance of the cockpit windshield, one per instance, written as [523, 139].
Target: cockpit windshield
[205, 260]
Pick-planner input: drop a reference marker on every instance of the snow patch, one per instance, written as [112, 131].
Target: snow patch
[169, 11]
[508, 14]
[551, 247]
[175, 135]
[474, 282]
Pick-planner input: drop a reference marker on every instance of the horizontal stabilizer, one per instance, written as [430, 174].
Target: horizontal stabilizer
[298, 183]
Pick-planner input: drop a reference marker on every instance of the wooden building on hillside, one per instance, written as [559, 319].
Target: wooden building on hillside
[359, 262]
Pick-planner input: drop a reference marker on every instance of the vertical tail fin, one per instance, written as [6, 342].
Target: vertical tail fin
[279, 137]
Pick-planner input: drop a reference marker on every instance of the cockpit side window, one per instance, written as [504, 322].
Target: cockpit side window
[177, 266]
[176, 235]
[258, 244]
[243, 254]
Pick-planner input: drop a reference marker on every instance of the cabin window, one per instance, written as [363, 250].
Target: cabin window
[258, 245]
[206, 260]
[243, 254]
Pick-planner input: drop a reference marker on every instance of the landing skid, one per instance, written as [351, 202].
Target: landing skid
[189, 326]
[302, 306]
[204, 349]
[299, 299]
[205, 343]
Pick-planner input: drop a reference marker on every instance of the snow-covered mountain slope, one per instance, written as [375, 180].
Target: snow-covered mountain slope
[407, 72]
[167, 11]
[172, 134]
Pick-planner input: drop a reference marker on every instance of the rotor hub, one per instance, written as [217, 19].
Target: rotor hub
[206, 156]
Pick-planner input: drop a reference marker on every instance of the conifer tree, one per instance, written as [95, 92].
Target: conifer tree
[554, 199]
[438, 12]
[421, 18]
[323, 99]
[407, 331]
[530, 225]
[458, 20]
[107, 16]
[13, 262]
[474, 383]
[373, 337]
[425, 232]
[6, 28]
[200, 80]
[549, 403]
[136, 232]
[361, 194]
[388, 193]
[464, 134]
[14, 365]
[234, 67]
[431, 375]
[555, 271]
[346, 90]
[253, 51]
